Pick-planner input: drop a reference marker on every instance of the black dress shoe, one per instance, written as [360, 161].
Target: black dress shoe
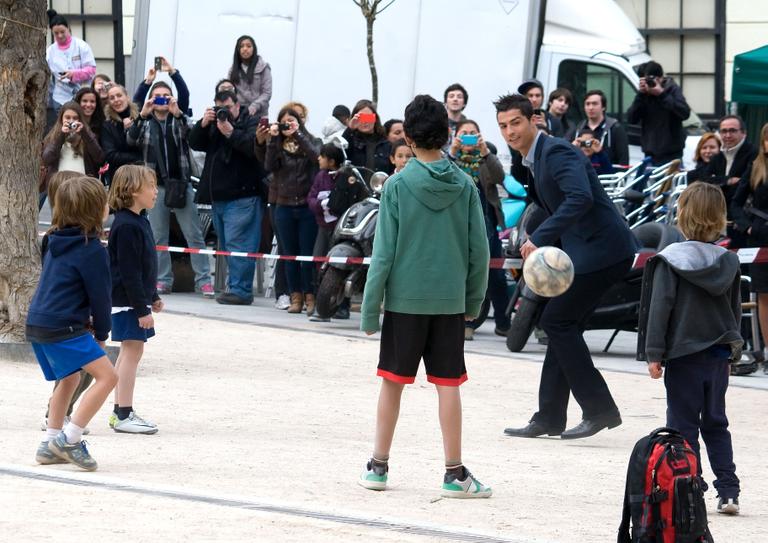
[227, 298]
[534, 429]
[589, 427]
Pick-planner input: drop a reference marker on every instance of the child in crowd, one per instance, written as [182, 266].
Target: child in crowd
[393, 128]
[690, 312]
[336, 124]
[133, 262]
[593, 150]
[329, 160]
[86, 379]
[425, 319]
[400, 154]
[72, 296]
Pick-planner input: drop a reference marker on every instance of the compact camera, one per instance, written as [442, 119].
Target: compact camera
[586, 144]
[283, 126]
[469, 139]
[161, 101]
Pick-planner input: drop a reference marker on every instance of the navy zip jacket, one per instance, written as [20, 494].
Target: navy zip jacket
[133, 261]
[74, 286]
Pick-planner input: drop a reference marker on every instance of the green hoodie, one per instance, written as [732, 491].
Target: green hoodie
[430, 253]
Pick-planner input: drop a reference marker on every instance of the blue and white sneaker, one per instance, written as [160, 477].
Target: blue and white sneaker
[45, 457]
[374, 477]
[76, 453]
[469, 487]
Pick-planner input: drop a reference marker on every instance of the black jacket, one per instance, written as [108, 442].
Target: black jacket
[292, 173]
[612, 136]
[743, 220]
[580, 214]
[690, 301]
[117, 152]
[717, 175]
[368, 151]
[231, 170]
[661, 119]
[133, 262]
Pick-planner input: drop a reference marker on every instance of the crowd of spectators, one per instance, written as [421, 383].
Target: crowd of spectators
[265, 177]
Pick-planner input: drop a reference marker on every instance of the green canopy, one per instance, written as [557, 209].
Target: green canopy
[750, 77]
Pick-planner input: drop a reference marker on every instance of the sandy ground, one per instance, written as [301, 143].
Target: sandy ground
[263, 416]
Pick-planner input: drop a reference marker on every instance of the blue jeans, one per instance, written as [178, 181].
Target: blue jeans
[298, 230]
[189, 221]
[238, 226]
[696, 385]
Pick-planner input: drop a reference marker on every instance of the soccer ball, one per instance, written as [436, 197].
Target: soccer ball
[548, 271]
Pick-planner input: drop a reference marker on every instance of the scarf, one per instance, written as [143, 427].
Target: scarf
[469, 163]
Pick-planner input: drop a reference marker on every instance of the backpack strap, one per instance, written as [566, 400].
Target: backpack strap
[624, 536]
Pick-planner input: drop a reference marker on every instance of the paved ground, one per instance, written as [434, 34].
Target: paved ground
[265, 420]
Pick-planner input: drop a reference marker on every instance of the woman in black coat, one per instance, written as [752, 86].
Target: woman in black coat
[368, 144]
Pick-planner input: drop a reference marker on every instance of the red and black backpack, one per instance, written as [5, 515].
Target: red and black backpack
[664, 496]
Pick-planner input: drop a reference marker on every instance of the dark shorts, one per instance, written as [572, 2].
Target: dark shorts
[125, 326]
[438, 339]
[62, 359]
[758, 272]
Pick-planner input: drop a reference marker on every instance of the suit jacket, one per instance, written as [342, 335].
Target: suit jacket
[717, 175]
[581, 217]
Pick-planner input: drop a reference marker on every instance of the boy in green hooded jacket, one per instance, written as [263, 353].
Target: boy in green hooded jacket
[430, 267]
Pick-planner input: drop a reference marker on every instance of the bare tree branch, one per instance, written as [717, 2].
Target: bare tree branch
[385, 7]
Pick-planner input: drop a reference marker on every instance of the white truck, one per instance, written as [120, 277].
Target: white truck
[317, 51]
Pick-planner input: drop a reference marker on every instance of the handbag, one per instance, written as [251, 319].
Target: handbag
[175, 193]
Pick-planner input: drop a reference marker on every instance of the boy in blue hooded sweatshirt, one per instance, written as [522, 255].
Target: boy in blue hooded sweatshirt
[74, 288]
[430, 226]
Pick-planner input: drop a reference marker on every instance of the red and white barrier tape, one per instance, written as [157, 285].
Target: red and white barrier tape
[749, 255]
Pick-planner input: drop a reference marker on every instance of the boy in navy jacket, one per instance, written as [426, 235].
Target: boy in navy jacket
[133, 262]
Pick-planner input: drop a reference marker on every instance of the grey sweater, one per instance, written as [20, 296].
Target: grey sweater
[690, 302]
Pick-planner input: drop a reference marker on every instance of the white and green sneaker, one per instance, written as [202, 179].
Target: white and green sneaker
[45, 457]
[134, 424]
[112, 420]
[374, 477]
[453, 487]
[75, 453]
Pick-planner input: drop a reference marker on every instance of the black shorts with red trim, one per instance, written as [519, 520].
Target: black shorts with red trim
[438, 339]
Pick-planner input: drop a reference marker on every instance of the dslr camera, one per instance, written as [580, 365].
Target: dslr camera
[222, 113]
[650, 81]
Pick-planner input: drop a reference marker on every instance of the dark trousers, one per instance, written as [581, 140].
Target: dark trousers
[696, 386]
[568, 365]
[281, 285]
[497, 284]
[298, 230]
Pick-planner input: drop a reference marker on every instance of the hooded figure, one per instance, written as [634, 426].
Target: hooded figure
[423, 252]
[691, 301]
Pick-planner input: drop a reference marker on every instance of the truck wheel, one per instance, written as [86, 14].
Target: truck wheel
[330, 293]
[523, 321]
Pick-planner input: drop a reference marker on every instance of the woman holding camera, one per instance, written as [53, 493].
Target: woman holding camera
[252, 77]
[93, 112]
[470, 152]
[120, 115]
[368, 144]
[291, 157]
[70, 145]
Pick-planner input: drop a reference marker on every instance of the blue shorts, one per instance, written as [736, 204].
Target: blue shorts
[59, 360]
[125, 326]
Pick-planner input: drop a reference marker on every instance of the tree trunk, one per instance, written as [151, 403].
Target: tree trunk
[23, 93]
[371, 61]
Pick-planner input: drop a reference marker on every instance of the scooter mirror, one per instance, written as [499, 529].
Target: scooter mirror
[377, 181]
[339, 142]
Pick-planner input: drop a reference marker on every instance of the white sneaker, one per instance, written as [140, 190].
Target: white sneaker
[134, 424]
[44, 425]
[283, 302]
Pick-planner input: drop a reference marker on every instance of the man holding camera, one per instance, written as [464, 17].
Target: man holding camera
[160, 132]
[231, 182]
[660, 109]
[609, 132]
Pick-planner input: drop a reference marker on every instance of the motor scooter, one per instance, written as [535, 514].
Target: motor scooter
[352, 239]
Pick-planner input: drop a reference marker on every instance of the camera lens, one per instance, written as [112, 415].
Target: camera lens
[222, 114]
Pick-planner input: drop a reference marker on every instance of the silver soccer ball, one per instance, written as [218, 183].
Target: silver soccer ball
[548, 271]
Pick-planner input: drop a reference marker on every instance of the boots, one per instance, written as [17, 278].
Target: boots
[297, 302]
[310, 301]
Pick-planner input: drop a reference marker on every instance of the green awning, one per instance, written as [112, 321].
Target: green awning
[750, 77]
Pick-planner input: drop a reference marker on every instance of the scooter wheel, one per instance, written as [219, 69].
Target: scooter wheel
[520, 328]
[330, 293]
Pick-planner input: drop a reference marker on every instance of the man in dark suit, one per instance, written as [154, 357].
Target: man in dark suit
[733, 160]
[585, 223]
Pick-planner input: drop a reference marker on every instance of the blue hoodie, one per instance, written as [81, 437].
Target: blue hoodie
[74, 286]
